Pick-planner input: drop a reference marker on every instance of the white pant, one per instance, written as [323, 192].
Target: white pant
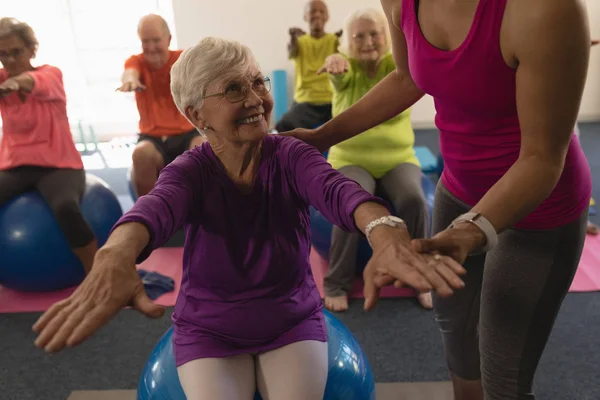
[297, 371]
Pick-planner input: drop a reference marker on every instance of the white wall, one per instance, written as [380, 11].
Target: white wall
[247, 22]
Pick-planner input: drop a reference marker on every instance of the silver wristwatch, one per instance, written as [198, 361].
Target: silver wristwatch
[482, 223]
[388, 220]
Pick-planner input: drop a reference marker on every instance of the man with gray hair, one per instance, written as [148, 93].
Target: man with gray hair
[164, 132]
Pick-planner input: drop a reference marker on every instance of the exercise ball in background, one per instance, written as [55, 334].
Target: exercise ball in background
[320, 229]
[349, 376]
[130, 186]
[36, 256]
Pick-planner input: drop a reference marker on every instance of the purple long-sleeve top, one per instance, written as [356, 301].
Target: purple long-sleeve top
[246, 285]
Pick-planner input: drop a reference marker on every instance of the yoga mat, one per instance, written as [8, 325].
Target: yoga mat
[280, 93]
[166, 261]
[587, 277]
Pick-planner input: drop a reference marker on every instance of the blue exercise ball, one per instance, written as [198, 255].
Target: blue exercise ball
[130, 186]
[349, 376]
[320, 229]
[36, 256]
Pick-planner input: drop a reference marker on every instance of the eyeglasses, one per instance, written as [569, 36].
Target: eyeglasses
[14, 53]
[363, 36]
[236, 91]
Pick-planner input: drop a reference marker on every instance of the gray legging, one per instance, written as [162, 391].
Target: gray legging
[496, 328]
[61, 188]
[402, 187]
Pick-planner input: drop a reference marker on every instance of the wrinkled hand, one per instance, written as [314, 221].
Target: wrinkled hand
[334, 64]
[8, 86]
[397, 261]
[109, 287]
[296, 32]
[310, 136]
[454, 245]
[132, 86]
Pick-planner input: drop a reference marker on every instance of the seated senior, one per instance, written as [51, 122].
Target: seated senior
[249, 316]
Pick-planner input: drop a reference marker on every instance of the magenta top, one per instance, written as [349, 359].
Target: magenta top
[475, 99]
[246, 285]
[37, 131]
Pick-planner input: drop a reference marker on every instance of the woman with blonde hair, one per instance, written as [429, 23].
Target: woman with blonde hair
[37, 149]
[381, 159]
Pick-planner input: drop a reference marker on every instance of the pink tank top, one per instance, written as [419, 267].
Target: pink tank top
[476, 114]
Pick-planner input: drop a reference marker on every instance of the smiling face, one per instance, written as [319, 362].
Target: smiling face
[236, 108]
[15, 55]
[367, 40]
[317, 15]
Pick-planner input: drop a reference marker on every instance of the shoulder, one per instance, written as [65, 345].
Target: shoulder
[288, 149]
[195, 159]
[544, 25]
[134, 61]
[175, 54]
[49, 69]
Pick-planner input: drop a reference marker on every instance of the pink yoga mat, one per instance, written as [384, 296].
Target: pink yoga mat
[587, 277]
[167, 261]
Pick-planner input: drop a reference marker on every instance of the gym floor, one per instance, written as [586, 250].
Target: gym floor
[401, 340]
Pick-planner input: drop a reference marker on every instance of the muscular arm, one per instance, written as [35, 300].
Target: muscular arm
[551, 50]
[390, 97]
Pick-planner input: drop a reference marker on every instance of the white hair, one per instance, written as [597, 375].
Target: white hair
[210, 60]
[369, 14]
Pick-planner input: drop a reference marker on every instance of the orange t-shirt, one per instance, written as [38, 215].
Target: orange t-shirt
[158, 114]
[37, 132]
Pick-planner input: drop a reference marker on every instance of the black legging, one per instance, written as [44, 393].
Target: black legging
[61, 188]
[496, 328]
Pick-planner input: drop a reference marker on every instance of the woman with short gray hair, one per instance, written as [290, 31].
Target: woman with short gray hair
[249, 316]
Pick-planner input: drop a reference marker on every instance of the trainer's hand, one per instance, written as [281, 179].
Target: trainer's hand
[131, 86]
[334, 64]
[453, 245]
[109, 287]
[395, 260]
[310, 136]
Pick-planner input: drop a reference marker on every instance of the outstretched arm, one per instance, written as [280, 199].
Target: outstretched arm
[551, 53]
[345, 203]
[130, 80]
[44, 83]
[113, 282]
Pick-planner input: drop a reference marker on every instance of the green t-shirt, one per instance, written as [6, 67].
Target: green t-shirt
[312, 52]
[381, 148]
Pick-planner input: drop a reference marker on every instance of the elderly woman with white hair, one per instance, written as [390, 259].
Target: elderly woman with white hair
[381, 159]
[248, 315]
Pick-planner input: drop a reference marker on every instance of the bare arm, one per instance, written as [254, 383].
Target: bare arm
[130, 81]
[390, 97]
[551, 51]
[127, 240]
[130, 75]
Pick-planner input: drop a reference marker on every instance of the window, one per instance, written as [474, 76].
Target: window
[90, 41]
